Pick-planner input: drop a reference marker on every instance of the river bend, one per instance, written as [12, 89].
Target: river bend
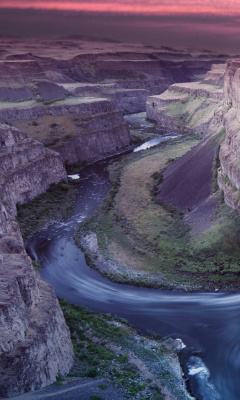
[206, 321]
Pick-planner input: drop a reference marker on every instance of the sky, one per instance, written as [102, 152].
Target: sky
[162, 7]
[199, 24]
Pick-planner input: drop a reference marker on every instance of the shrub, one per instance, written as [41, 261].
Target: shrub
[92, 372]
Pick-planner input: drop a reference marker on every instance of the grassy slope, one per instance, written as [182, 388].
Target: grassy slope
[140, 235]
[191, 112]
[144, 367]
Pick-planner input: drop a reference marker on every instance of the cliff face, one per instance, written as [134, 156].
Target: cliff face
[229, 171]
[34, 341]
[188, 107]
[97, 128]
[206, 107]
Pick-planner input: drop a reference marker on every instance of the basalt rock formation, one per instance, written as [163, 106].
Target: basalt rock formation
[80, 129]
[229, 171]
[35, 343]
[207, 107]
[190, 107]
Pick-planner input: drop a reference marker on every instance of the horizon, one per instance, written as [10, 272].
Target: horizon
[212, 31]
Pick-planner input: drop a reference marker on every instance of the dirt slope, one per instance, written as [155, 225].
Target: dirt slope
[188, 180]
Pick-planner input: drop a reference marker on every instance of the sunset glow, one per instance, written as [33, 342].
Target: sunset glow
[155, 7]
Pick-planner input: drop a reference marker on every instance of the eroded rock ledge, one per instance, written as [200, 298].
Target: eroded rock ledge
[35, 343]
[229, 171]
[190, 107]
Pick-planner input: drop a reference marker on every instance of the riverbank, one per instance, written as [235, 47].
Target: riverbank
[112, 361]
[137, 239]
[56, 204]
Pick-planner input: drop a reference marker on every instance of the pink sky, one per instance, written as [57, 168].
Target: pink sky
[160, 7]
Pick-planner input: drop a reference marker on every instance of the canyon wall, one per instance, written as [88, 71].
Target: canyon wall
[35, 344]
[80, 129]
[229, 155]
[209, 106]
[188, 107]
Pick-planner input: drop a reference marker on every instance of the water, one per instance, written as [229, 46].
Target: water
[154, 142]
[206, 321]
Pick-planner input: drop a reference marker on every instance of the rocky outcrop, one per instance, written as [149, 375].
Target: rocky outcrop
[231, 85]
[125, 99]
[84, 129]
[187, 107]
[33, 110]
[35, 344]
[229, 171]
[216, 75]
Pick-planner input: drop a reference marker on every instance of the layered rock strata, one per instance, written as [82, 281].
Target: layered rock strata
[29, 67]
[229, 171]
[206, 107]
[83, 129]
[35, 344]
[229, 155]
[188, 107]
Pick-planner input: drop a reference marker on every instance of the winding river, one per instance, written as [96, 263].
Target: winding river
[208, 322]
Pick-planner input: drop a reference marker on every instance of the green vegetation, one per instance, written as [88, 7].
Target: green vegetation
[54, 205]
[192, 111]
[109, 348]
[151, 242]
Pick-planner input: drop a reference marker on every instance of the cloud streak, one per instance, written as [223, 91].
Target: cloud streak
[150, 7]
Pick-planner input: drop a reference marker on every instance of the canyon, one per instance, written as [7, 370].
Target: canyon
[63, 102]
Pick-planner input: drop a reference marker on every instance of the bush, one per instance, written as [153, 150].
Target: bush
[92, 372]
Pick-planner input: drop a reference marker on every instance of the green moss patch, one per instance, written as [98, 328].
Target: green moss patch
[110, 348]
[54, 205]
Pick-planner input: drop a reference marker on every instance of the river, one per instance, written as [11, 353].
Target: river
[208, 322]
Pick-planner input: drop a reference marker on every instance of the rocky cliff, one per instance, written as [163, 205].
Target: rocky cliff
[207, 107]
[80, 129]
[229, 171]
[188, 107]
[35, 345]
